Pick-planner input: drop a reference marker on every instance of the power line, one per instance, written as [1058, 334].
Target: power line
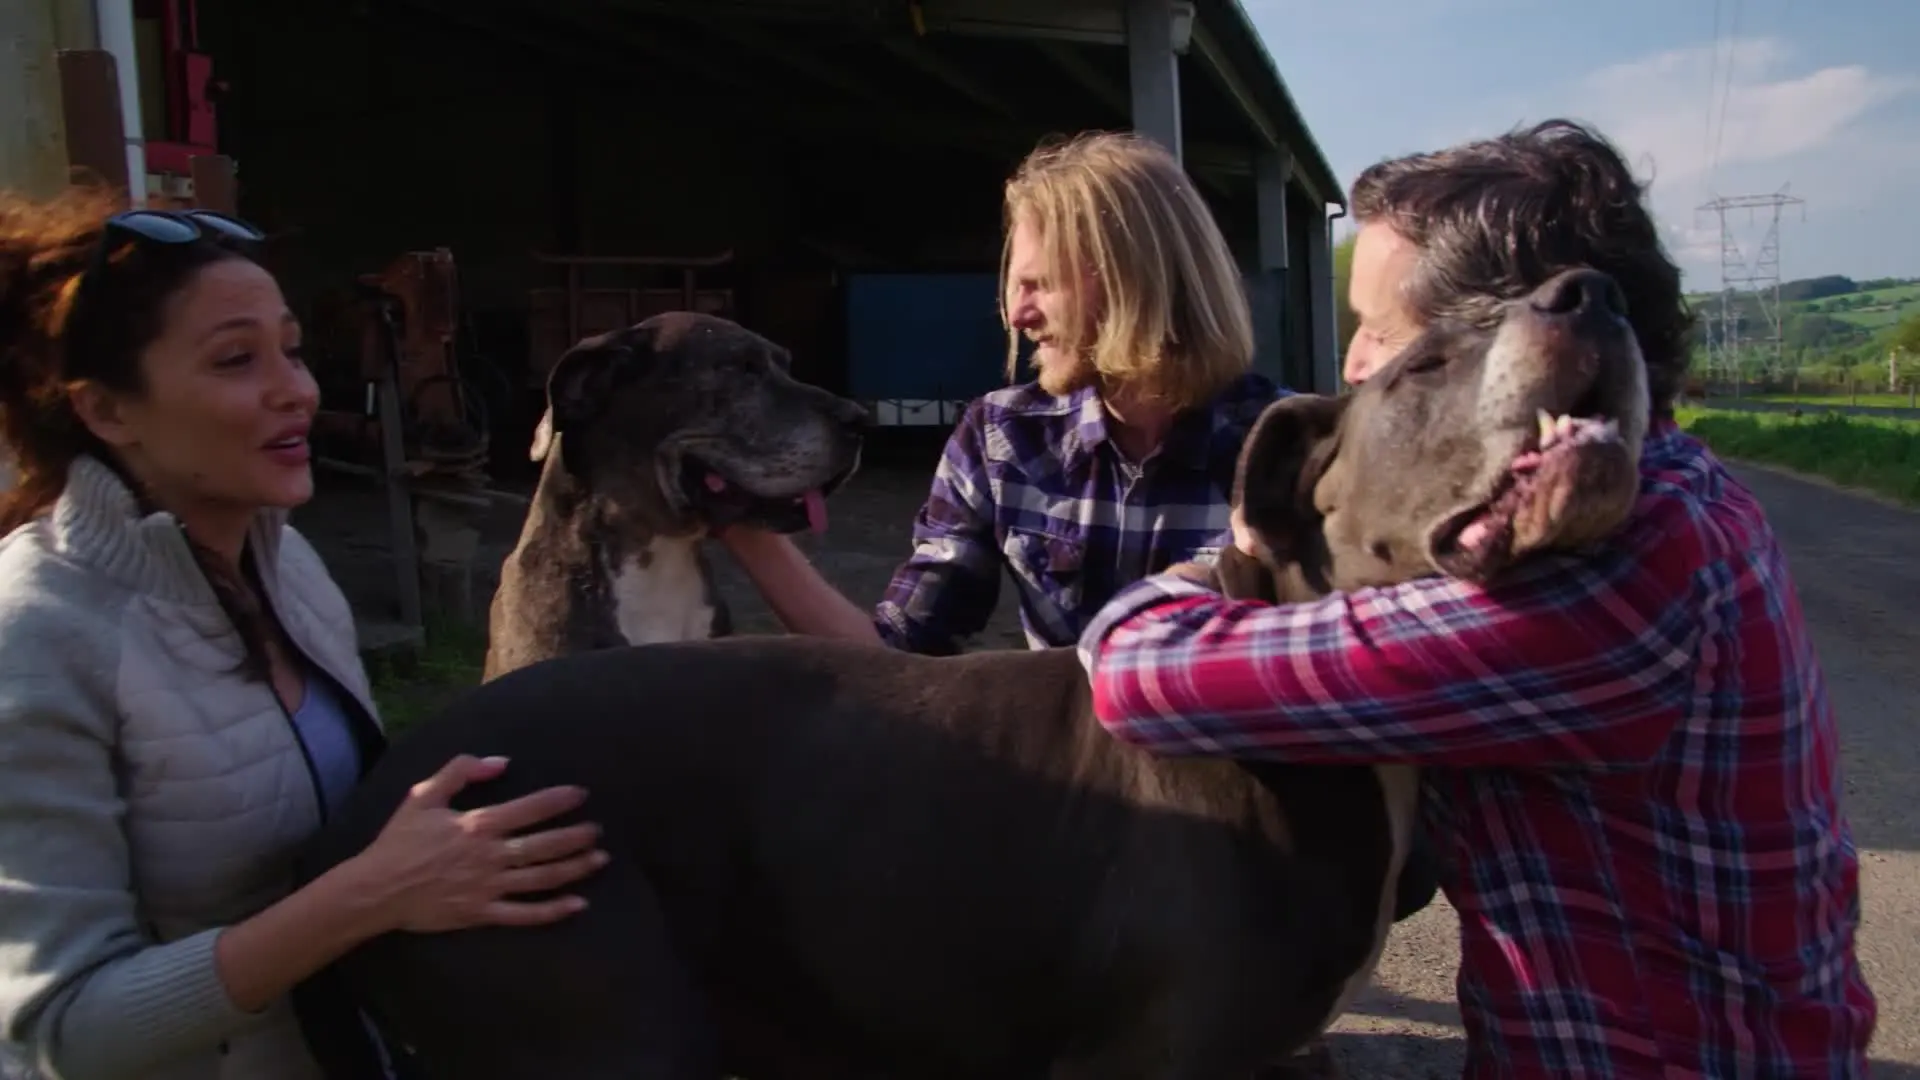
[1713, 82]
[1726, 92]
[1726, 341]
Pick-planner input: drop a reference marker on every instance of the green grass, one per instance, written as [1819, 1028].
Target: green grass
[1881, 400]
[1876, 454]
[409, 687]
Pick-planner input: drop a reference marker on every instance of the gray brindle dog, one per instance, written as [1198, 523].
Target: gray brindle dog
[832, 859]
[652, 436]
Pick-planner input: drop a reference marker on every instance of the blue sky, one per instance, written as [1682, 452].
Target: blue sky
[1825, 97]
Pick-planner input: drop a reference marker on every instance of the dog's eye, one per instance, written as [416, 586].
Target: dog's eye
[1422, 362]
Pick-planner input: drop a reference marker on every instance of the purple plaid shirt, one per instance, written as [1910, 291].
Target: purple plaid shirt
[1030, 482]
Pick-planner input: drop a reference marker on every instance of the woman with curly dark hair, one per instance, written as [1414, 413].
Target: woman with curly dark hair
[181, 699]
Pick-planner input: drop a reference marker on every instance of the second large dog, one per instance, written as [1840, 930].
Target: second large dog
[944, 868]
[654, 435]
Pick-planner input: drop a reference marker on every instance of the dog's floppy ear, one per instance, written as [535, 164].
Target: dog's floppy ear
[1282, 459]
[583, 380]
[1242, 577]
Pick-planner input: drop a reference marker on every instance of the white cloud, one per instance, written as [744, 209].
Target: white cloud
[1743, 122]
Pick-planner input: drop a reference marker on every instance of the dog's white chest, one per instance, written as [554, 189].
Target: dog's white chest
[662, 596]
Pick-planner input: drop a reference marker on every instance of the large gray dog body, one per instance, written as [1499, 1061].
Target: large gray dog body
[836, 860]
[652, 436]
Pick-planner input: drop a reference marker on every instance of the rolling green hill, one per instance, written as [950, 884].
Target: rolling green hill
[1822, 317]
[1873, 309]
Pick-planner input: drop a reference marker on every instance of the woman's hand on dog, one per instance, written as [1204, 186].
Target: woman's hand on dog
[436, 868]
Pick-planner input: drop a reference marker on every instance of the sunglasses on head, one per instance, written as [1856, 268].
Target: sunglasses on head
[182, 226]
[164, 227]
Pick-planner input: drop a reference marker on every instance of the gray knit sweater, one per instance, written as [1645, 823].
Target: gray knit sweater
[149, 794]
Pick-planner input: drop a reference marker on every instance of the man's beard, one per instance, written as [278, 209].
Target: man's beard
[1063, 374]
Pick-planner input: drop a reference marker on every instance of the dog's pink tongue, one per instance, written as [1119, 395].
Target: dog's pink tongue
[816, 510]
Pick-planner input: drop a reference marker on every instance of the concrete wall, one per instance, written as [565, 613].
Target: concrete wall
[33, 145]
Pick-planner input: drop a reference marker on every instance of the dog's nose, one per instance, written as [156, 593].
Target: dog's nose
[1581, 292]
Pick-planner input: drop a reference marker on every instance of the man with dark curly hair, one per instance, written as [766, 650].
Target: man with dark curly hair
[1632, 766]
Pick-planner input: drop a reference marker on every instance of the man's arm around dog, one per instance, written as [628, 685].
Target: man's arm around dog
[1588, 662]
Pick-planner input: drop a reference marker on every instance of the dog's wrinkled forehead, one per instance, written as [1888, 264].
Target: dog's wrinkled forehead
[694, 340]
[683, 346]
[673, 353]
[681, 337]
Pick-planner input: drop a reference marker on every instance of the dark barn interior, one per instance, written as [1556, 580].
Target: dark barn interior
[456, 191]
[835, 166]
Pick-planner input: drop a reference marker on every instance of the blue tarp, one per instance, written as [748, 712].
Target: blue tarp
[923, 336]
[938, 336]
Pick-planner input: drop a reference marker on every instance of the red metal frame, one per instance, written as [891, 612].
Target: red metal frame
[192, 128]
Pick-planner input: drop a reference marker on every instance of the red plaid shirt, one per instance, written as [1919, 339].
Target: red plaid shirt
[1633, 776]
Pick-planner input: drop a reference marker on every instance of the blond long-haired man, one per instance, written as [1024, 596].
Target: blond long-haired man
[1116, 460]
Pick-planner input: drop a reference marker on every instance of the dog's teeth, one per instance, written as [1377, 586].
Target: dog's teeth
[1610, 429]
[1546, 427]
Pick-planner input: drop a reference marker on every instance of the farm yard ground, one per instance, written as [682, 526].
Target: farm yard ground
[1859, 584]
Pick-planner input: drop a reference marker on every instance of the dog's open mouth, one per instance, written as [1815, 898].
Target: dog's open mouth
[1564, 460]
[722, 500]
